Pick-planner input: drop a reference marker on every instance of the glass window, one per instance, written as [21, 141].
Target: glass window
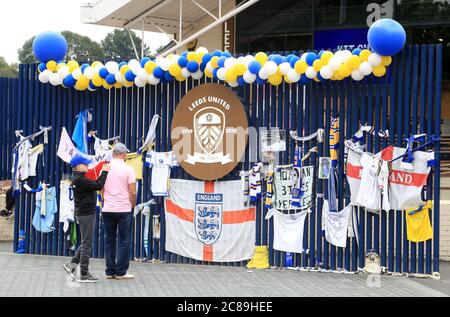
[409, 12]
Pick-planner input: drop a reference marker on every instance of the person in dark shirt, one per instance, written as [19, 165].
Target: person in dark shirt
[85, 201]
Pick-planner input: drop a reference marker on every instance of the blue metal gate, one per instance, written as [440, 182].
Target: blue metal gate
[406, 101]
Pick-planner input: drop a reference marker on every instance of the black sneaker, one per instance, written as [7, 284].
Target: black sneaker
[70, 268]
[3, 213]
[87, 278]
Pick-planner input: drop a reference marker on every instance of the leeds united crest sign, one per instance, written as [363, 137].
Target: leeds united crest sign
[209, 131]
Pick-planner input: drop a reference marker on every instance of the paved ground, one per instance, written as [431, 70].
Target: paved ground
[29, 275]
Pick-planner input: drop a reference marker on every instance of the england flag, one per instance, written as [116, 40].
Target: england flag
[208, 221]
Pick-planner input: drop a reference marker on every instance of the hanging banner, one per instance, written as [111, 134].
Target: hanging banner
[208, 221]
[209, 131]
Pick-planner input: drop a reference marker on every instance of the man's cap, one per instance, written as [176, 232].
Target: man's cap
[120, 148]
[78, 159]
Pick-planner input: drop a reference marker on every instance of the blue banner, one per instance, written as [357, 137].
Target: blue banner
[348, 39]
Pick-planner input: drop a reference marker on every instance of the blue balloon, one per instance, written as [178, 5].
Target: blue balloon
[304, 79]
[310, 58]
[92, 86]
[226, 54]
[184, 54]
[83, 67]
[182, 61]
[241, 81]
[110, 79]
[294, 60]
[221, 61]
[289, 57]
[42, 67]
[254, 67]
[202, 67]
[192, 67]
[129, 76]
[217, 53]
[144, 60]
[260, 81]
[319, 77]
[122, 64]
[386, 37]
[158, 72]
[206, 58]
[69, 81]
[168, 77]
[320, 54]
[278, 59]
[356, 51]
[49, 46]
[103, 72]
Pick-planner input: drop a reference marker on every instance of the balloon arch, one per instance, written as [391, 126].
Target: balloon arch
[386, 38]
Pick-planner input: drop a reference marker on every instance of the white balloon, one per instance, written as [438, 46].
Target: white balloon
[112, 67]
[165, 64]
[209, 67]
[153, 80]
[133, 62]
[44, 77]
[326, 72]
[197, 75]
[200, 50]
[221, 72]
[249, 77]
[98, 67]
[76, 73]
[271, 67]
[303, 56]
[374, 59]
[346, 55]
[142, 74]
[139, 82]
[63, 71]
[136, 69]
[293, 76]
[91, 89]
[55, 79]
[119, 77]
[335, 62]
[233, 84]
[89, 72]
[185, 73]
[285, 68]
[356, 75]
[310, 72]
[263, 74]
[365, 68]
[248, 59]
[230, 62]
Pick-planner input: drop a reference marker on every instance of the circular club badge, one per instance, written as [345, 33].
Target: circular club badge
[209, 131]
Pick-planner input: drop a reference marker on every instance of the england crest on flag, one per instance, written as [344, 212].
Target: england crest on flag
[208, 217]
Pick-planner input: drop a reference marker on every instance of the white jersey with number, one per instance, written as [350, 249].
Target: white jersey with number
[66, 204]
[160, 163]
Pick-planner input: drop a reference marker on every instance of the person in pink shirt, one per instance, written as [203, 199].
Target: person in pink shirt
[119, 196]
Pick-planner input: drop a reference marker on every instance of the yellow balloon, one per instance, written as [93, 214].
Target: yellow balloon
[379, 70]
[51, 66]
[239, 69]
[97, 80]
[275, 80]
[286, 79]
[354, 61]
[95, 64]
[365, 55]
[118, 85]
[127, 84]
[180, 78]
[326, 56]
[149, 67]
[261, 57]
[317, 65]
[199, 58]
[344, 70]
[316, 79]
[208, 73]
[83, 81]
[300, 67]
[124, 69]
[214, 62]
[386, 60]
[230, 76]
[72, 65]
[191, 56]
[174, 70]
[106, 85]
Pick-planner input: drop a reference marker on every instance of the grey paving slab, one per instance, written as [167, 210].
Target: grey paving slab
[31, 275]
